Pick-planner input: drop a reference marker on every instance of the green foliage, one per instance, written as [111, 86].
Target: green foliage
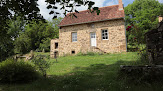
[16, 26]
[22, 44]
[52, 25]
[141, 16]
[161, 9]
[27, 10]
[9, 10]
[71, 5]
[37, 35]
[17, 72]
[93, 73]
[6, 49]
[45, 44]
[41, 63]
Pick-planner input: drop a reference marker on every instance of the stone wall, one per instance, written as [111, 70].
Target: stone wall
[154, 39]
[115, 43]
[53, 48]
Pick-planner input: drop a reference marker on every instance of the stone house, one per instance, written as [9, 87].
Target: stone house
[90, 32]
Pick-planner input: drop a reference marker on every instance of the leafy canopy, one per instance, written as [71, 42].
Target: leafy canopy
[28, 10]
[141, 16]
[37, 35]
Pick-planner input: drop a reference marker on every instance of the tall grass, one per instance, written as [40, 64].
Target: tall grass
[87, 73]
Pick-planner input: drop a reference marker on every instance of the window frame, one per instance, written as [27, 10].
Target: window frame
[103, 34]
[73, 37]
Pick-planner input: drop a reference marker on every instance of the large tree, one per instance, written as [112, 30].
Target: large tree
[37, 35]
[28, 10]
[9, 9]
[141, 16]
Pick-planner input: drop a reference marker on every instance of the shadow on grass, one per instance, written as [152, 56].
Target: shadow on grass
[96, 77]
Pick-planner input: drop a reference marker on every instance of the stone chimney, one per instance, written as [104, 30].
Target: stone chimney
[120, 5]
[160, 18]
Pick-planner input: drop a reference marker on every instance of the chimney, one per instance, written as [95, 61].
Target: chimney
[160, 18]
[120, 5]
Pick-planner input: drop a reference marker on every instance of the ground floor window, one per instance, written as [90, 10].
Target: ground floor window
[72, 52]
[56, 45]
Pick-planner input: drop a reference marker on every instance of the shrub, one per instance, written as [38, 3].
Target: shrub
[41, 64]
[17, 72]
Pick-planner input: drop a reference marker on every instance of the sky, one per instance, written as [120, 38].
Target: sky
[98, 3]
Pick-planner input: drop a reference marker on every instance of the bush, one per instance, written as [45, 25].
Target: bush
[17, 72]
[42, 64]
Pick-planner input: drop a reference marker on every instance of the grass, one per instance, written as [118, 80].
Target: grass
[87, 73]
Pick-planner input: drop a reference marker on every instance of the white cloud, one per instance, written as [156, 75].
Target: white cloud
[43, 10]
[161, 1]
[98, 3]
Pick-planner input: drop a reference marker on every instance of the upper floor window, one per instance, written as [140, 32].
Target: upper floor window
[74, 37]
[105, 34]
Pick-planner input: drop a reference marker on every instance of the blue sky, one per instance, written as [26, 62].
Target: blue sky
[98, 3]
[113, 2]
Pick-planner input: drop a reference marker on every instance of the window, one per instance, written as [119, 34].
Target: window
[72, 52]
[56, 45]
[74, 37]
[105, 34]
[92, 25]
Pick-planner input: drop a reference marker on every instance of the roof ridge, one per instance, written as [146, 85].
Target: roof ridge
[85, 16]
[99, 8]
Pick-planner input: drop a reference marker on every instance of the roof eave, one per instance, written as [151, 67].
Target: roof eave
[90, 22]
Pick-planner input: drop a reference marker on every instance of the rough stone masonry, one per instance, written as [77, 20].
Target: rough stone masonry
[111, 19]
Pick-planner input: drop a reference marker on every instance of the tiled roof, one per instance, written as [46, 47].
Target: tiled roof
[106, 13]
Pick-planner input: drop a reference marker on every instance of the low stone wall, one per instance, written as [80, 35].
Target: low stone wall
[154, 40]
[142, 73]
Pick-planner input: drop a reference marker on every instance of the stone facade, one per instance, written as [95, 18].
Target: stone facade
[54, 47]
[116, 38]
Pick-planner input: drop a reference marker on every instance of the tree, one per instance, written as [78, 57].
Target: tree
[52, 25]
[37, 35]
[28, 10]
[16, 26]
[69, 6]
[10, 9]
[141, 16]
[22, 44]
[161, 9]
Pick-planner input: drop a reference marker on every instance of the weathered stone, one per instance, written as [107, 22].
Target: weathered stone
[83, 43]
[154, 40]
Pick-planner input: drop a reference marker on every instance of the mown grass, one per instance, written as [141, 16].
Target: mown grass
[87, 73]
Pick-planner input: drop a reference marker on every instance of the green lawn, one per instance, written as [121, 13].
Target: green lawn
[87, 73]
